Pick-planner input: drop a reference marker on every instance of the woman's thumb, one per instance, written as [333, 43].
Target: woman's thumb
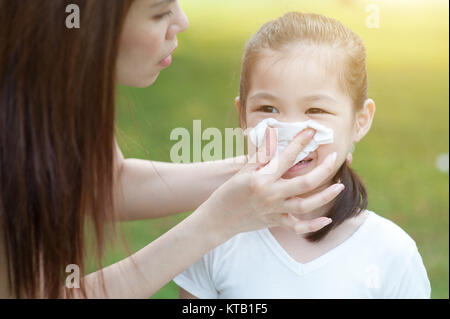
[265, 152]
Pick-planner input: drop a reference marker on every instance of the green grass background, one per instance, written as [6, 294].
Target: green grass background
[407, 60]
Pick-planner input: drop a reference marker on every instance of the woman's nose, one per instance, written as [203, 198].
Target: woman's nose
[179, 25]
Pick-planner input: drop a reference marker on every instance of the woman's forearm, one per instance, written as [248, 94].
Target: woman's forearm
[149, 269]
[150, 189]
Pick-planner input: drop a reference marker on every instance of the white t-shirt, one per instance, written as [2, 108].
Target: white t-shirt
[379, 260]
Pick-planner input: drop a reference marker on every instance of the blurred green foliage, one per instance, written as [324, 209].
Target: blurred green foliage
[407, 58]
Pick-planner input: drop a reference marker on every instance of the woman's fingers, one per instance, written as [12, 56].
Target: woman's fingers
[288, 221]
[299, 206]
[307, 226]
[302, 226]
[308, 182]
[266, 152]
[283, 161]
[263, 155]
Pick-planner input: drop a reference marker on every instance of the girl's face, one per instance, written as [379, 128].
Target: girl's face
[148, 39]
[299, 86]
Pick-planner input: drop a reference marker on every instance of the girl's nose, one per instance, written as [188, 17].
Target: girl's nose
[179, 25]
[292, 119]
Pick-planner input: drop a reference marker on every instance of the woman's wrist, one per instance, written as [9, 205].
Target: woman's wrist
[210, 222]
[227, 167]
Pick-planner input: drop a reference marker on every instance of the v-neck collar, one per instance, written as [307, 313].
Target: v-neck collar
[303, 268]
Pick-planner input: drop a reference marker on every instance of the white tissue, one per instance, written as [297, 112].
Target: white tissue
[286, 131]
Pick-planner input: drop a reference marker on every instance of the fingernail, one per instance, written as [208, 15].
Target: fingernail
[321, 222]
[325, 221]
[338, 187]
[310, 133]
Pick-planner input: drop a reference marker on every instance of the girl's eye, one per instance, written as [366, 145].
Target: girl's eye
[268, 109]
[164, 15]
[316, 110]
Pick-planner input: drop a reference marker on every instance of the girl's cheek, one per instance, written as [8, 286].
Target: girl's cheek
[254, 118]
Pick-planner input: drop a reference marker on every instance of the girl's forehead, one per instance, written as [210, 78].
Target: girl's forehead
[286, 70]
[300, 58]
[297, 75]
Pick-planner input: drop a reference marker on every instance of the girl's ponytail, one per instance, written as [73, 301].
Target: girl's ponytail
[349, 203]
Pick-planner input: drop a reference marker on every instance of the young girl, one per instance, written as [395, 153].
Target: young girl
[309, 67]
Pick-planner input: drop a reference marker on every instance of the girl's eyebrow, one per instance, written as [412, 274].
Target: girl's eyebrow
[318, 97]
[263, 95]
[161, 3]
[308, 98]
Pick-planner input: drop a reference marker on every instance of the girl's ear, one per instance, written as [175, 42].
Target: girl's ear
[238, 104]
[364, 119]
[242, 120]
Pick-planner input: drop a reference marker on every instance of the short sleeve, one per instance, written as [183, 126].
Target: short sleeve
[413, 283]
[197, 279]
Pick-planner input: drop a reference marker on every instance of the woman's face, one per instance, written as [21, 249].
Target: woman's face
[301, 86]
[148, 39]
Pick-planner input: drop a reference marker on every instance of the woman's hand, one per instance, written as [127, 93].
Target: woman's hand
[254, 198]
[257, 197]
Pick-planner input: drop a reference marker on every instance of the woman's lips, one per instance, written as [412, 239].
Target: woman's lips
[168, 60]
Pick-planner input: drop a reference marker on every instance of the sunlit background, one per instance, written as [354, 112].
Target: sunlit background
[404, 158]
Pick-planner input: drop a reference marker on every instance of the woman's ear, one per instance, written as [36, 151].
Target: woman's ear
[364, 119]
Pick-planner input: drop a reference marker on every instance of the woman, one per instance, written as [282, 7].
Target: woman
[61, 169]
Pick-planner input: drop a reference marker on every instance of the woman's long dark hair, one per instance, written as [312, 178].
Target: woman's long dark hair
[57, 92]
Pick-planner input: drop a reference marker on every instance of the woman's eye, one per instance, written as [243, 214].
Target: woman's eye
[316, 110]
[268, 109]
[164, 15]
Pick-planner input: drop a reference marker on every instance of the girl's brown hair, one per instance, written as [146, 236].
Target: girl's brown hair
[316, 30]
[57, 92]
